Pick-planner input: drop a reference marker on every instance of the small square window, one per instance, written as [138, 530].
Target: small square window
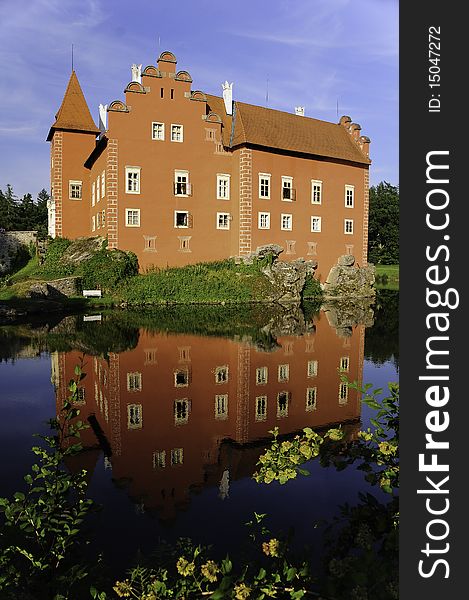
[157, 131]
[223, 220]
[264, 220]
[75, 190]
[185, 243]
[181, 218]
[261, 408]
[312, 248]
[316, 191]
[150, 356]
[348, 226]
[349, 196]
[177, 133]
[264, 185]
[132, 217]
[286, 222]
[291, 244]
[132, 180]
[316, 224]
[181, 378]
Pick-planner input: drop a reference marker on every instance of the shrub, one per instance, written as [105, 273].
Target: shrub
[107, 268]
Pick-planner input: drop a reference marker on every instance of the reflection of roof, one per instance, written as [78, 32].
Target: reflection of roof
[74, 113]
[280, 130]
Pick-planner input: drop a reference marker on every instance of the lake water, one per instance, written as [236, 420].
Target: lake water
[181, 405]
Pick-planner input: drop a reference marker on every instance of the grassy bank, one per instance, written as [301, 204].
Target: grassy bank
[387, 277]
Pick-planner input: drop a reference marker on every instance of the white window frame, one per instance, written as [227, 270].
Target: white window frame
[103, 218]
[75, 189]
[98, 188]
[261, 401]
[223, 220]
[221, 374]
[289, 181]
[344, 364]
[283, 372]
[186, 212]
[93, 223]
[134, 382]
[223, 186]
[349, 196]
[177, 456]
[182, 371]
[181, 417]
[181, 177]
[159, 459]
[343, 393]
[311, 398]
[221, 407]
[264, 193]
[260, 217]
[160, 130]
[134, 421]
[316, 191]
[103, 184]
[98, 220]
[262, 375]
[93, 193]
[179, 138]
[348, 224]
[127, 213]
[286, 222]
[318, 220]
[312, 368]
[134, 182]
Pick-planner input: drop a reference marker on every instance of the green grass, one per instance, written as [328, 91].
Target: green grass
[387, 277]
[28, 271]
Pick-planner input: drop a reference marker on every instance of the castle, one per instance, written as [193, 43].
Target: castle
[179, 176]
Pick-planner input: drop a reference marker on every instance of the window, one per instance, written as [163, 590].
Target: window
[264, 185]
[221, 407]
[103, 184]
[184, 243]
[315, 224]
[181, 411]
[157, 131]
[223, 187]
[312, 368]
[132, 180]
[311, 395]
[283, 372]
[261, 408]
[316, 191]
[288, 193]
[134, 382]
[221, 374]
[344, 364]
[132, 217]
[134, 416]
[98, 188]
[282, 404]
[343, 393]
[181, 218]
[93, 193]
[286, 222]
[159, 459]
[223, 220]
[177, 133]
[182, 187]
[264, 220]
[262, 374]
[149, 243]
[93, 223]
[80, 397]
[349, 196]
[98, 221]
[348, 226]
[103, 217]
[181, 378]
[177, 456]
[75, 190]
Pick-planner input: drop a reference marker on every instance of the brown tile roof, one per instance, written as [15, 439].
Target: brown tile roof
[280, 130]
[74, 113]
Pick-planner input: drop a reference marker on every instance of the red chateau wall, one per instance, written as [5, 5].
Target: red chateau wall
[203, 436]
[165, 96]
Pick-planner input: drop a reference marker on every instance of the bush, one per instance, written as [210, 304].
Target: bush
[107, 268]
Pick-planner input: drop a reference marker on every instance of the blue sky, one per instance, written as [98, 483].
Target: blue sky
[315, 53]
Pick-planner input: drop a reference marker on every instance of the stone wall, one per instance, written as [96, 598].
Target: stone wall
[10, 244]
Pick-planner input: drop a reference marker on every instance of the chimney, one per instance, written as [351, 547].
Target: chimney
[228, 97]
[300, 111]
[137, 73]
[103, 117]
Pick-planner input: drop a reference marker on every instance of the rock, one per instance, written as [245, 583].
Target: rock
[58, 288]
[262, 252]
[344, 314]
[346, 260]
[348, 280]
[287, 281]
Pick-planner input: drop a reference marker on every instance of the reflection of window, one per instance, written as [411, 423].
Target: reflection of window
[80, 396]
[343, 393]
[312, 369]
[134, 382]
[134, 416]
[159, 459]
[344, 364]
[177, 456]
[184, 353]
[261, 408]
[181, 411]
[283, 372]
[261, 375]
[221, 374]
[221, 406]
[150, 356]
[181, 378]
[311, 395]
[282, 404]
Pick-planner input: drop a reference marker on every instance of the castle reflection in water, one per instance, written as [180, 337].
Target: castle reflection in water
[181, 412]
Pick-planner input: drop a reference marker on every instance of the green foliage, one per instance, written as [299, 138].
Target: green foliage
[382, 338]
[53, 265]
[383, 227]
[41, 526]
[25, 214]
[312, 288]
[107, 268]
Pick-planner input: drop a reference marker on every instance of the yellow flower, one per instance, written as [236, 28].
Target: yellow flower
[242, 591]
[271, 548]
[335, 434]
[210, 570]
[386, 448]
[184, 567]
[365, 435]
[123, 589]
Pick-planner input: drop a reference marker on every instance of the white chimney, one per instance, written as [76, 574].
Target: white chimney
[103, 117]
[300, 111]
[228, 97]
[137, 73]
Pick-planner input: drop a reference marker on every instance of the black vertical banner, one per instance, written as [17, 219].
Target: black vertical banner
[434, 268]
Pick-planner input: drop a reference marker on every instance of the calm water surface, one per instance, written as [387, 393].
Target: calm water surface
[179, 419]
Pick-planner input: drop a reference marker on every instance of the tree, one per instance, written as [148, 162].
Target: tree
[8, 208]
[383, 228]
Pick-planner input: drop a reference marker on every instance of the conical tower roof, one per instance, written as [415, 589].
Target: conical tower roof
[73, 114]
